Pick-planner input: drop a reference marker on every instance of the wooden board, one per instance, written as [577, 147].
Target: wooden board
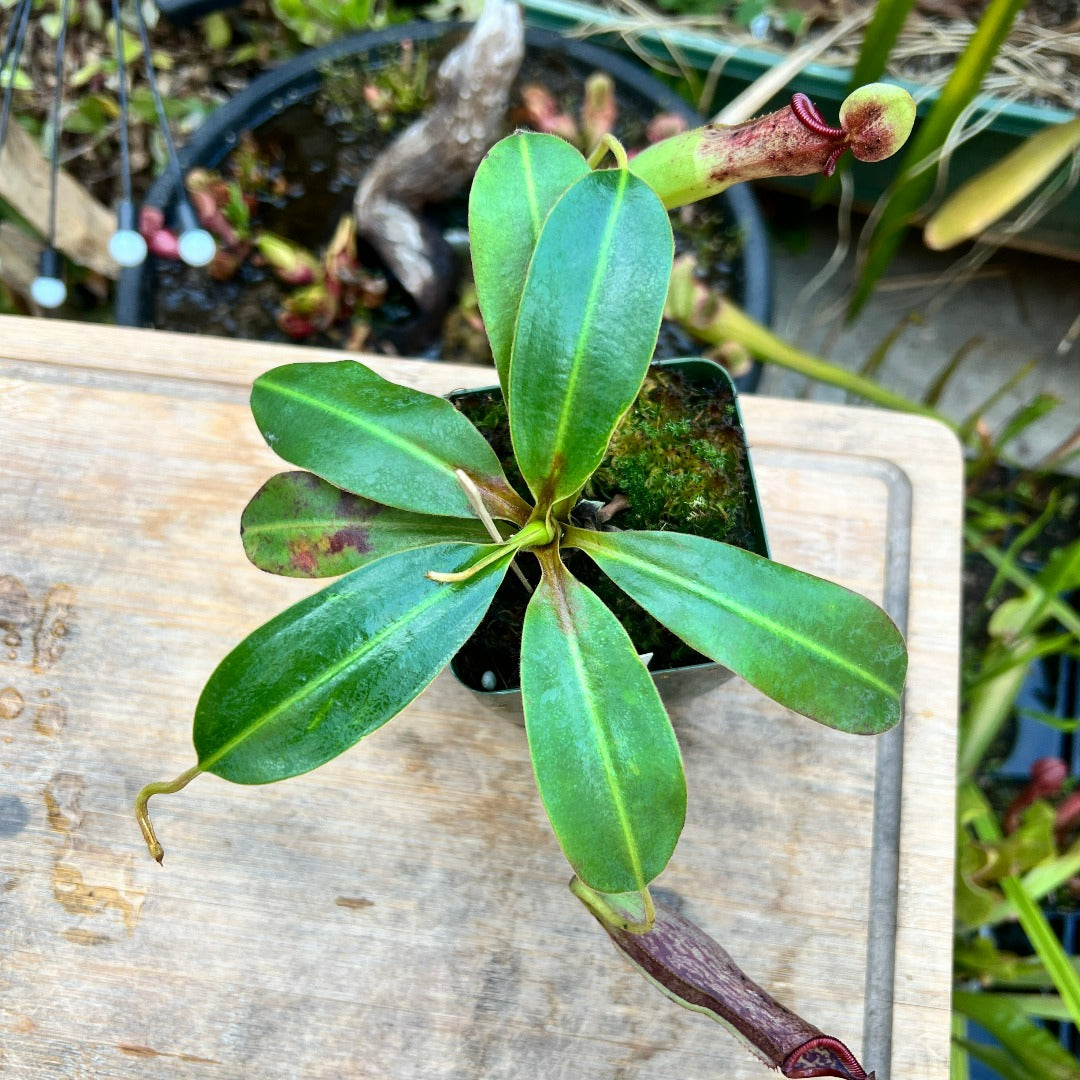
[403, 911]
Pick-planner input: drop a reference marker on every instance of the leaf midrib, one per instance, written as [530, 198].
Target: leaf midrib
[412, 449]
[591, 305]
[610, 775]
[331, 673]
[749, 614]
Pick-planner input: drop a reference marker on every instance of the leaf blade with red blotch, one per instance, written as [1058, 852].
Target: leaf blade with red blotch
[298, 525]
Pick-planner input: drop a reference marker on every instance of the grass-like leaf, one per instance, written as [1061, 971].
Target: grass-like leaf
[328, 671]
[976, 812]
[809, 644]
[298, 525]
[1037, 1053]
[991, 194]
[606, 760]
[909, 193]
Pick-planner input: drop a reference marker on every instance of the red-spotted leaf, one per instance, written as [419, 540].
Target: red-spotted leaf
[298, 525]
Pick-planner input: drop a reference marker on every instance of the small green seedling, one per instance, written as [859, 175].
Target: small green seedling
[405, 498]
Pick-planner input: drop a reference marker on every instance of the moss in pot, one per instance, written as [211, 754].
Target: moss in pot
[678, 461]
[409, 500]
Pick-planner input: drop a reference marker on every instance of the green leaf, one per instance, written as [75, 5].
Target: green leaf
[587, 327]
[1039, 1054]
[912, 189]
[809, 644]
[976, 811]
[991, 194]
[328, 671]
[515, 187]
[1026, 847]
[606, 760]
[300, 526]
[377, 439]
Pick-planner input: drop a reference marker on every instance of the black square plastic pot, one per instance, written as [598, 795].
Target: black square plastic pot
[678, 683]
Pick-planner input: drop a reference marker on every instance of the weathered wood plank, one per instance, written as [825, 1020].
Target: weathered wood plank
[402, 912]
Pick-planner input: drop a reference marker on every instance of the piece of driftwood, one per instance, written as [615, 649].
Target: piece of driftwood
[19, 256]
[435, 157]
[402, 913]
[83, 225]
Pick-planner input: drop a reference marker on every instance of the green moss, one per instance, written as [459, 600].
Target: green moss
[678, 459]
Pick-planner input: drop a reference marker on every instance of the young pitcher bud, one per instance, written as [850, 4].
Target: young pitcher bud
[875, 121]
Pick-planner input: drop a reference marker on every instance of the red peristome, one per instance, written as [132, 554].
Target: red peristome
[810, 118]
[823, 1056]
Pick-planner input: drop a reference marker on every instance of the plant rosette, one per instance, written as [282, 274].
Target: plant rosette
[678, 461]
[405, 498]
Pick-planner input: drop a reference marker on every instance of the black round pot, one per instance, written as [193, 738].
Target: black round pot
[272, 93]
[678, 682]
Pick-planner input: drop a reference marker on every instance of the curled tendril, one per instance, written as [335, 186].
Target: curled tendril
[142, 812]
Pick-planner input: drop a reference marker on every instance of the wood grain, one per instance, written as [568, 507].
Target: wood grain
[403, 912]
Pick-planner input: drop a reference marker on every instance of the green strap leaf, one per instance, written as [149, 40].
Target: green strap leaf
[328, 671]
[911, 189]
[606, 760]
[1037, 1053]
[810, 644]
[992, 193]
[587, 327]
[377, 439]
[515, 187]
[297, 525]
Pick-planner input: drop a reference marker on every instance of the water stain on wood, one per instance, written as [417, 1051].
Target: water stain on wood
[77, 897]
[55, 625]
[85, 937]
[16, 612]
[87, 879]
[11, 703]
[13, 816]
[63, 802]
[50, 719]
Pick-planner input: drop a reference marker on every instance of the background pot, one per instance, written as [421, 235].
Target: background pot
[294, 80]
[678, 683]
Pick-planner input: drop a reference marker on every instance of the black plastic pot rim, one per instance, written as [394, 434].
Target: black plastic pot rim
[716, 373]
[275, 91]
